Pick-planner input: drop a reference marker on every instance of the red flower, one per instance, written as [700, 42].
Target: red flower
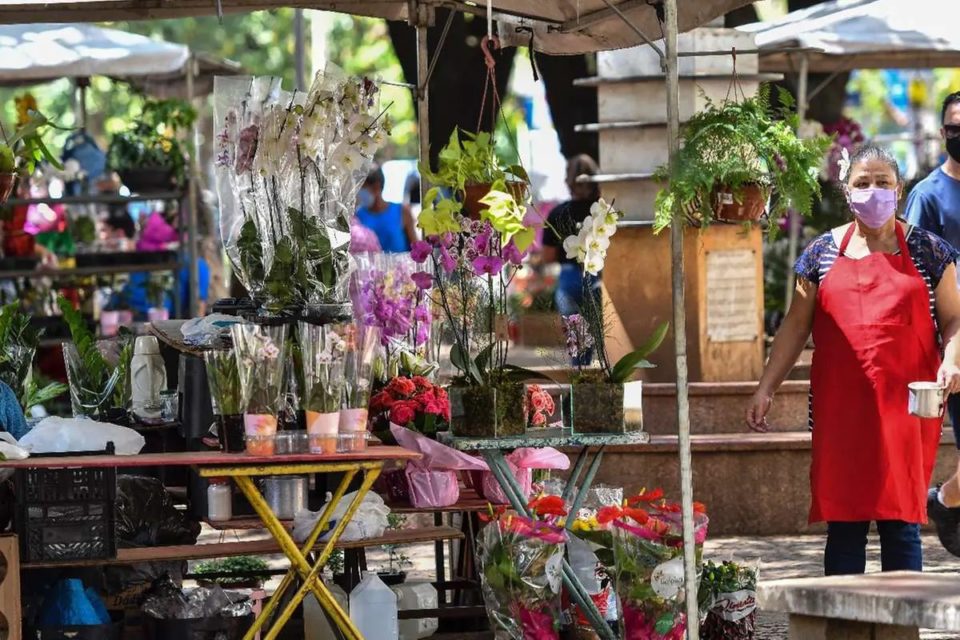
[606, 515]
[539, 419]
[699, 507]
[401, 387]
[422, 383]
[645, 496]
[403, 412]
[637, 515]
[548, 506]
[381, 402]
[669, 507]
[493, 513]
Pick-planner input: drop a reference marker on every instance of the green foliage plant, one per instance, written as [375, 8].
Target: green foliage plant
[151, 141]
[18, 344]
[24, 149]
[734, 144]
[724, 577]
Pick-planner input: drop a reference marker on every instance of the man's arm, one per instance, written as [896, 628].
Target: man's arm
[409, 225]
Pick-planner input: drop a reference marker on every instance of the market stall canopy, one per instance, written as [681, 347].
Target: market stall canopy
[843, 35]
[35, 53]
[558, 26]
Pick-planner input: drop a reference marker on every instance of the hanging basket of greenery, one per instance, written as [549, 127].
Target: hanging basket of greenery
[737, 155]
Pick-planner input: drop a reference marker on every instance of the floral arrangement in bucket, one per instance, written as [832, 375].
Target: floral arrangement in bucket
[733, 156]
[648, 554]
[289, 165]
[600, 394]
[521, 569]
[474, 261]
[414, 403]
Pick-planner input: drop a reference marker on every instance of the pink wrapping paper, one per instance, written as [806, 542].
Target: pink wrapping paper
[432, 479]
[522, 462]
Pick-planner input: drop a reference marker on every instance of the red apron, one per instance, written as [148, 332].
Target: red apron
[874, 335]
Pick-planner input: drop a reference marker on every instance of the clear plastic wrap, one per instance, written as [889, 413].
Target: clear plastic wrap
[288, 167]
[521, 573]
[261, 354]
[650, 574]
[168, 602]
[728, 601]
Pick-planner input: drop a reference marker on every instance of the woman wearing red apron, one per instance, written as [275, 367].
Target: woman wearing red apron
[881, 299]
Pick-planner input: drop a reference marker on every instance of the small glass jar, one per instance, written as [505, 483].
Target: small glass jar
[219, 500]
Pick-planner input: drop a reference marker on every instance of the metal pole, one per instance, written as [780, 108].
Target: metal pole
[423, 90]
[194, 201]
[794, 241]
[82, 84]
[299, 49]
[680, 331]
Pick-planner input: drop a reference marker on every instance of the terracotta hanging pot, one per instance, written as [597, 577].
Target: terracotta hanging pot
[473, 193]
[7, 182]
[745, 204]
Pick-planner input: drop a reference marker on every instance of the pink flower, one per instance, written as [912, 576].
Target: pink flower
[422, 279]
[512, 254]
[538, 625]
[420, 251]
[447, 261]
[489, 265]
[403, 412]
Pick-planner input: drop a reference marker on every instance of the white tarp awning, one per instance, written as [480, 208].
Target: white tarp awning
[862, 34]
[558, 26]
[35, 53]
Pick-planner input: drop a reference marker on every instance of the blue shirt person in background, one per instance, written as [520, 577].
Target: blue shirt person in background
[934, 205]
[391, 222]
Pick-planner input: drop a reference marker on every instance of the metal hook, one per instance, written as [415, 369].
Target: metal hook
[485, 45]
[219, 11]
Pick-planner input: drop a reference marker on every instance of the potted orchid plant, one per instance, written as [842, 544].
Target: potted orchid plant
[322, 351]
[605, 398]
[289, 165]
[474, 255]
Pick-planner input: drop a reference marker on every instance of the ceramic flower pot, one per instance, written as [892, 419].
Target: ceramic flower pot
[488, 412]
[147, 179]
[745, 204]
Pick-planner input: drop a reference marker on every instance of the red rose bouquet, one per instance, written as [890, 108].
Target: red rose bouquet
[415, 403]
[540, 406]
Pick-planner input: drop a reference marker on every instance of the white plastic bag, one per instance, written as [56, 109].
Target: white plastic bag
[63, 435]
[369, 521]
[206, 331]
[10, 451]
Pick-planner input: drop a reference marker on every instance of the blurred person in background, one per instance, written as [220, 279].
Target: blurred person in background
[392, 222]
[572, 284]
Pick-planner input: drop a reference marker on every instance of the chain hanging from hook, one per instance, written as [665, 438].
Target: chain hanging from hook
[735, 86]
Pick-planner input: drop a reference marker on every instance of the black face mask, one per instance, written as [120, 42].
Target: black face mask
[953, 148]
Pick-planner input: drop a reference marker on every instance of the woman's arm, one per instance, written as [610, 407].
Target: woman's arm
[787, 346]
[947, 300]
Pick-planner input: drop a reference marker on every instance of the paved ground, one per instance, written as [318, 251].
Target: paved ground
[778, 557]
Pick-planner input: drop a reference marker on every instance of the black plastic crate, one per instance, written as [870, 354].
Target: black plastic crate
[67, 513]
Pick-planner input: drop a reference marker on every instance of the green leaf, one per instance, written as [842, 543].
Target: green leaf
[664, 624]
[521, 374]
[460, 358]
[483, 358]
[637, 359]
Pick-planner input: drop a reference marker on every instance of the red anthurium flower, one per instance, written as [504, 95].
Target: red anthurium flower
[606, 515]
[645, 496]
[699, 507]
[637, 515]
[548, 506]
[669, 507]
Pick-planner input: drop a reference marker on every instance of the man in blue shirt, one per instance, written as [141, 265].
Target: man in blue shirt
[934, 205]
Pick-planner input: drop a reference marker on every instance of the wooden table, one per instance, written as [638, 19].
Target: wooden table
[243, 468]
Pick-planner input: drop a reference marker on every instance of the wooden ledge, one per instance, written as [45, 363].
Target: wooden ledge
[596, 81]
[248, 548]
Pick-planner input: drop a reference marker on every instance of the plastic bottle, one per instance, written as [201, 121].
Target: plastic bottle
[219, 500]
[373, 608]
[316, 626]
[148, 377]
[412, 596]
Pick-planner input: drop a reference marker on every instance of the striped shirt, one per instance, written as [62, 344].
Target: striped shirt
[931, 255]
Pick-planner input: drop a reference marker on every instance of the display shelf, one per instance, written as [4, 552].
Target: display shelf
[86, 272]
[98, 199]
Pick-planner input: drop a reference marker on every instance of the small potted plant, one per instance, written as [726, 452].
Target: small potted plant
[394, 574]
[157, 288]
[18, 345]
[223, 377]
[605, 399]
[241, 572]
[148, 156]
[21, 151]
[734, 156]
[728, 601]
[469, 167]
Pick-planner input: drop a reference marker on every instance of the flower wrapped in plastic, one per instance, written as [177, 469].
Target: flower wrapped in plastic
[521, 560]
[648, 553]
[261, 353]
[728, 601]
[289, 165]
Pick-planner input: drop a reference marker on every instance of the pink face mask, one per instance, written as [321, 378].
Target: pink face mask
[873, 207]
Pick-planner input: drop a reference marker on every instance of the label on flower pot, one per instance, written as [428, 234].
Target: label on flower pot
[735, 606]
[259, 425]
[323, 424]
[554, 571]
[353, 420]
[667, 578]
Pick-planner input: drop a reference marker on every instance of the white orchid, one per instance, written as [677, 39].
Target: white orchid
[571, 244]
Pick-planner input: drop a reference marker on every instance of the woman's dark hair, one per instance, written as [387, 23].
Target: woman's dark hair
[375, 177]
[583, 165]
[952, 98]
[873, 152]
